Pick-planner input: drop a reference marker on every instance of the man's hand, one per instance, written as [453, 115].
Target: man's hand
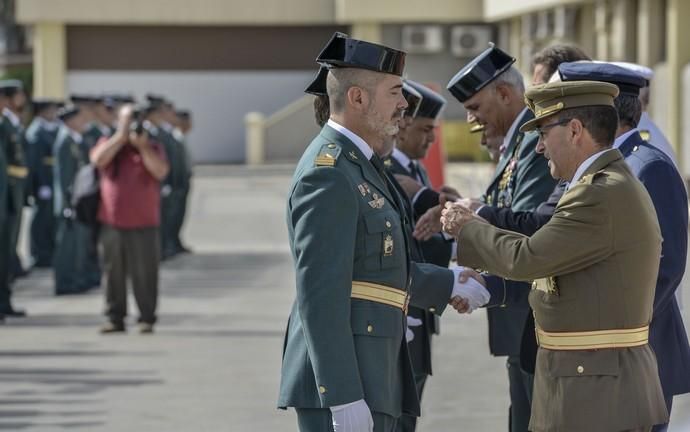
[124, 119]
[470, 203]
[429, 224]
[470, 291]
[140, 142]
[448, 193]
[352, 417]
[455, 216]
[409, 185]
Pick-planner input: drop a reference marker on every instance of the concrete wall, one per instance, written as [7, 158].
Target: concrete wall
[389, 11]
[218, 101]
[183, 12]
[436, 68]
[289, 131]
[685, 125]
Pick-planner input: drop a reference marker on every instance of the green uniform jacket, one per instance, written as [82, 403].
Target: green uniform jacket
[600, 254]
[343, 226]
[521, 182]
[68, 158]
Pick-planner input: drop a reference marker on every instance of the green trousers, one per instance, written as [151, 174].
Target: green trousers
[43, 230]
[70, 263]
[16, 190]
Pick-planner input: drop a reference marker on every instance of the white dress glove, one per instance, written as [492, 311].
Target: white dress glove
[45, 192]
[473, 291]
[352, 417]
[411, 322]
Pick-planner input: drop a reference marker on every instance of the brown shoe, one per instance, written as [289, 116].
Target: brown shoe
[145, 328]
[112, 327]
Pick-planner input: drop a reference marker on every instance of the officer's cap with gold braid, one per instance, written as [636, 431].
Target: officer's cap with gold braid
[548, 99]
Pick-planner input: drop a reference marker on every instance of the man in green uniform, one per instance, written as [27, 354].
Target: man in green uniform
[345, 363]
[492, 91]
[13, 173]
[161, 131]
[183, 122]
[40, 137]
[73, 238]
[594, 266]
[101, 126]
[12, 100]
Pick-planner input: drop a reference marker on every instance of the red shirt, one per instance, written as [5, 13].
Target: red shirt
[130, 195]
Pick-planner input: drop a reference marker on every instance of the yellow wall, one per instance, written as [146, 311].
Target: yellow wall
[49, 60]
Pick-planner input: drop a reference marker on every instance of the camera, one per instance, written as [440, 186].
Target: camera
[137, 125]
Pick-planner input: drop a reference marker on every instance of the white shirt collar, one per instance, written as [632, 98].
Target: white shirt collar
[621, 138]
[513, 127]
[76, 136]
[402, 158]
[167, 127]
[47, 124]
[105, 130]
[150, 127]
[583, 167]
[11, 116]
[356, 140]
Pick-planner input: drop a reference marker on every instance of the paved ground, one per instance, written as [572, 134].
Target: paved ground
[213, 363]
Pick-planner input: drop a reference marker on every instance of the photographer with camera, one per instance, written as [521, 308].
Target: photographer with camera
[131, 167]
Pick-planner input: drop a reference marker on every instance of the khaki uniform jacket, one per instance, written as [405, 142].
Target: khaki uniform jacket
[600, 257]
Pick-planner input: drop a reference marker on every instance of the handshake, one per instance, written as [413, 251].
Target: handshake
[469, 291]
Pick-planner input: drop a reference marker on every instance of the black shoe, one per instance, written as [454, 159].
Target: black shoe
[111, 327]
[12, 312]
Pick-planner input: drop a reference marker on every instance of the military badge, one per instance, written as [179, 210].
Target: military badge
[377, 203]
[353, 155]
[388, 245]
[547, 285]
[363, 189]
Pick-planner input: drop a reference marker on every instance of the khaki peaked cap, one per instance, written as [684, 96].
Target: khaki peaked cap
[548, 99]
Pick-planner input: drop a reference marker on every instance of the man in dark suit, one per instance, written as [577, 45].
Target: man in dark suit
[492, 91]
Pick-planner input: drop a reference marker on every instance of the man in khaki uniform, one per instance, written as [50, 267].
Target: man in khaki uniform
[594, 267]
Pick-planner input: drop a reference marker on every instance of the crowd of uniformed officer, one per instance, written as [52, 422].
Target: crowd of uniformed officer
[38, 166]
[362, 175]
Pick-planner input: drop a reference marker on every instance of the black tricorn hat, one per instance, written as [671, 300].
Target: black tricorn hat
[343, 51]
[85, 98]
[67, 112]
[318, 85]
[479, 72]
[413, 98]
[432, 102]
[40, 104]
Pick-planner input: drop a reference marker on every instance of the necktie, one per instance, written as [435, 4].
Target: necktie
[414, 170]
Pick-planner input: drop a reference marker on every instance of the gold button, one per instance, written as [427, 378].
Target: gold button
[322, 389]
[370, 328]
[432, 310]
[580, 369]
[388, 224]
[331, 146]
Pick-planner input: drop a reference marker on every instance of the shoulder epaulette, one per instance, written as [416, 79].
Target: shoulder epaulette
[589, 178]
[328, 155]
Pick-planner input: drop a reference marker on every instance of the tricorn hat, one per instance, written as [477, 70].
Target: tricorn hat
[479, 72]
[343, 51]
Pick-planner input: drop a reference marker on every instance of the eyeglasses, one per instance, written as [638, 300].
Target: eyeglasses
[543, 129]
